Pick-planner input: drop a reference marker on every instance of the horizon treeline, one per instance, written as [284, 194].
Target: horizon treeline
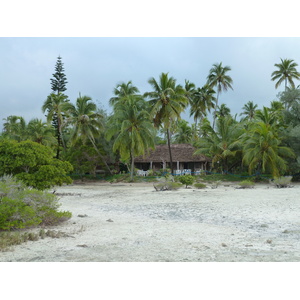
[263, 140]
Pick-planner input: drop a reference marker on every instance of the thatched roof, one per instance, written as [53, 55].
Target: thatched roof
[180, 152]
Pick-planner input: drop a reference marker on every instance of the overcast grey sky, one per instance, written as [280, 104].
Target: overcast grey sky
[94, 66]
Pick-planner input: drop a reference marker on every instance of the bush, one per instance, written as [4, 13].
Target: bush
[33, 164]
[283, 182]
[186, 179]
[246, 184]
[21, 207]
[200, 185]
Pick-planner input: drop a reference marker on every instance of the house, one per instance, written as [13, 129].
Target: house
[182, 156]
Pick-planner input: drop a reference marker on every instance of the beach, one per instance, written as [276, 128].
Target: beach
[132, 222]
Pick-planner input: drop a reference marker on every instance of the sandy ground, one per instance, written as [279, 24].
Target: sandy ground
[134, 223]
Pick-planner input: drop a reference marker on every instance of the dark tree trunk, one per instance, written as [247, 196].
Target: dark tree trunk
[170, 152]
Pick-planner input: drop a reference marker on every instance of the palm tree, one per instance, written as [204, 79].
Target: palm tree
[262, 150]
[223, 111]
[190, 89]
[14, 127]
[286, 73]
[218, 77]
[249, 110]
[272, 118]
[184, 133]
[167, 101]
[203, 100]
[222, 144]
[40, 132]
[289, 97]
[54, 105]
[122, 90]
[86, 122]
[132, 128]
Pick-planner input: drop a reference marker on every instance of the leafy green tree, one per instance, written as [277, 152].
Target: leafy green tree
[33, 163]
[263, 150]
[54, 105]
[131, 128]
[58, 83]
[219, 78]
[187, 180]
[286, 73]
[167, 102]
[86, 123]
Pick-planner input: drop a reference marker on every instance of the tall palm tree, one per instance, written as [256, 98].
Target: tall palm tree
[86, 122]
[167, 101]
[249, 110]
[203, 100]
[218, 77]
[54, 105]
[132, 128]
[286, 73]
[262, 150]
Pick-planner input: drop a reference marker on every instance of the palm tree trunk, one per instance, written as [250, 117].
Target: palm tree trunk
[132, 166]
[170, 152]
[215, 115]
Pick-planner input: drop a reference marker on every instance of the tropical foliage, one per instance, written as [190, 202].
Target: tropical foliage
[82, 136]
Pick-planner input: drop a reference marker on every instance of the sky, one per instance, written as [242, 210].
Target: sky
[95, 65]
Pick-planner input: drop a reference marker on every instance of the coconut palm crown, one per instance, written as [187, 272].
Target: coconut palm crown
[286, 73]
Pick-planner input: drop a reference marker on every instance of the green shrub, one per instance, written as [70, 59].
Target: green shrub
[167, 186]
[186, 179]
[283, 182]
[200, 185]
[14, 213]
[21, 207]
[246, 184]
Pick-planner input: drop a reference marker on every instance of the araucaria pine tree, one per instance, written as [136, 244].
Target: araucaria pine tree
[58, 83]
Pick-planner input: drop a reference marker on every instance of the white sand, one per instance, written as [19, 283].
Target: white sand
[134, 223]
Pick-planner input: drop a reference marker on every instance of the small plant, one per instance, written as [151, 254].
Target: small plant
[167, 184]
[246, 184]
[283, 182]
[187, 180]
[200, 185]
[216, 184]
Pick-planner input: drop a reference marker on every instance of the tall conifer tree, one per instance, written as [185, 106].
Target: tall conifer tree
[58, 83]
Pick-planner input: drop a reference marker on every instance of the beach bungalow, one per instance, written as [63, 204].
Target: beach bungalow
[184, 160]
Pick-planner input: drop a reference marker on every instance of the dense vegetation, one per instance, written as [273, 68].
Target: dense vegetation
[263, 140]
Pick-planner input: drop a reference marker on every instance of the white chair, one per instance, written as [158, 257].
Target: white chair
[177, 172]
[187, 172]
